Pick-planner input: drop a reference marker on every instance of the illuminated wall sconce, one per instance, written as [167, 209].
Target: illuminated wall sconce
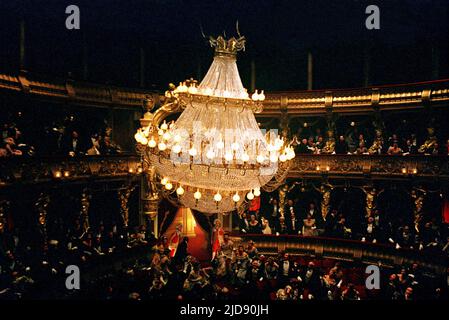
[317, 168]
[66, 174]
[404, 170]
[414, 171]
[130, 170]
[57, 174]
[139, 170]
[328, 168]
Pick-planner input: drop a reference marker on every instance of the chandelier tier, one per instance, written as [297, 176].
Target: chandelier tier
[214, 156]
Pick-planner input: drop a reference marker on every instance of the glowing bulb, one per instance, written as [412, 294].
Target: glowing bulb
[162, 146]
[261, 96]
[166, 136]
[255, 96]
[217, 197]
[208, 91]
[193, 90]
[168, 186]
[273, 158]
[236, 197]
[228, 156]
[210, 154]
[137, 136]
[177, 138]
[152, 143]
[197, 195]
[257, 192]
[250, 195]
[282, 158]
[245, 157]
[160, 132]
[176, 148]
[143, 140]
[220, 145]
[260, 158]
[180, 190]
[164, 181]
[192, 152]
[235, 146]
[164, 126]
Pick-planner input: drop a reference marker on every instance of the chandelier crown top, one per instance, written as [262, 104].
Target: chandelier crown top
[228, 47]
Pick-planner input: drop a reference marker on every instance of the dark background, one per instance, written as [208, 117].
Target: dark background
[412, 44]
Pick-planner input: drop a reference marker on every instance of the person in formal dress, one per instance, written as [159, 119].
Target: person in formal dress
[370, 230]
[309, 227]
[254, 225]
[266, 229]
[273, 211]
[217, 238]
[227, 246]
[394, 150]
[174, 240]
[315, 214]
[281, 226]
[341, 147]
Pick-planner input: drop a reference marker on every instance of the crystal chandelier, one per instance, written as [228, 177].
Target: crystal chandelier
[214, 155]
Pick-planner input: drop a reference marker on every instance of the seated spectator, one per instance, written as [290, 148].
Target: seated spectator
[341, 147]
[303, 147]
[254, 225]
[362, 149]
[319, 144]
[73, 145]
[266, 229]
[370, 230]
[107, 147]
[394, 150]
[309, 227]
[10, 148]
[410, 148]
[281, 226]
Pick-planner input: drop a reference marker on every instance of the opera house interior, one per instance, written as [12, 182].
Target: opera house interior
[224, 151]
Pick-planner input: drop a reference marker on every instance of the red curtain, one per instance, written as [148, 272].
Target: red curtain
[254, 204]
[445, 211]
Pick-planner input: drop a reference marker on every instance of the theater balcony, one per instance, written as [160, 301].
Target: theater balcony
[64, 170]
[322, 248]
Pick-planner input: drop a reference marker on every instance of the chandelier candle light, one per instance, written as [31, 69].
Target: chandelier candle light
[215, 155]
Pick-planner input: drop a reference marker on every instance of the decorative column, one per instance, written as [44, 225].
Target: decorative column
[325, 190]
[371, 198]
[123, 195]
[150, 198]
[41, 206]
[84, 212]
[417, 195]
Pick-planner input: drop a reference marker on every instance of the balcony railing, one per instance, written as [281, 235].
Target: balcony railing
[349, 250]
[300, 102]
[371, 166]
[305, 166]
[67, 169]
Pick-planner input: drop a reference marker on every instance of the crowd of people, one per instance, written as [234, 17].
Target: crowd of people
[423, 234]
[66, 137]
[33, 266]
[240, 272]
[355, 142]
[163, 271]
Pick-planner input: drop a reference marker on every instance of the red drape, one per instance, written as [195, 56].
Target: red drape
[445, 211]
[255, 204]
